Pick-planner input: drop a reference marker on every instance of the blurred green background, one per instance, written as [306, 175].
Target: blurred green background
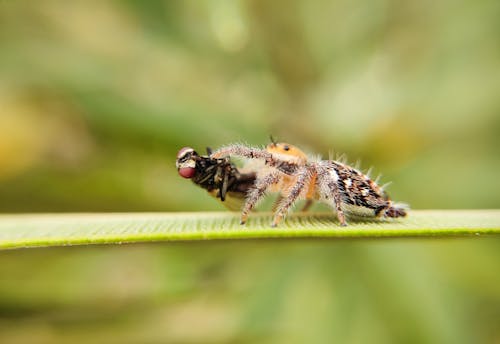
[96, 98]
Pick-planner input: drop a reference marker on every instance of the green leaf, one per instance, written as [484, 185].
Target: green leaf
[72, 229]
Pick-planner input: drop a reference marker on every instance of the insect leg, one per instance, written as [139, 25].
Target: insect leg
[256, 193]
[223, 187]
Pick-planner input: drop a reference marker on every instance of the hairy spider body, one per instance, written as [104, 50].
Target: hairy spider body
[290, 172]
[219, 177]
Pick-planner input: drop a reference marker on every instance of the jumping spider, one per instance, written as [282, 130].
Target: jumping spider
[290, 172]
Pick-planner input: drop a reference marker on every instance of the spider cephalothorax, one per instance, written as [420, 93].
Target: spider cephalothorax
[291, 173]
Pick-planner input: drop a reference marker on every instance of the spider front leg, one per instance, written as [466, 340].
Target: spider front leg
[287, 167]
[257, 192]
[304, 176]
[241, 151]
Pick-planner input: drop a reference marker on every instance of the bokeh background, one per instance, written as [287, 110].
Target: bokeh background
[96, 98]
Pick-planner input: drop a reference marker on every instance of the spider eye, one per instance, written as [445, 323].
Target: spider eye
[286, 148]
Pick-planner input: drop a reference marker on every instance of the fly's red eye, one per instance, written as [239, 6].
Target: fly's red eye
[187, 172]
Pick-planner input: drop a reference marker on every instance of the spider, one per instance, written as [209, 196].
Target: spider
[294, 175]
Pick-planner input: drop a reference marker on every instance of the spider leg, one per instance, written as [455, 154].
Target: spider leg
[310, 193]
[256, 193]
[287, 167]
[329, 190]
[277, 202]
[392, 210]
[337, 197]
[304, 175]
[307, 205]
[242, 151]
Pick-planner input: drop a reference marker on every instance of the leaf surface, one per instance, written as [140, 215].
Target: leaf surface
[31, 230]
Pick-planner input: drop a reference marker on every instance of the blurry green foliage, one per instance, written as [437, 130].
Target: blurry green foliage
[96, 97]
[378, 291]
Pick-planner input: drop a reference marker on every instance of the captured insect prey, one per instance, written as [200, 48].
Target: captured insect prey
[286, 169]
[219, 177]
